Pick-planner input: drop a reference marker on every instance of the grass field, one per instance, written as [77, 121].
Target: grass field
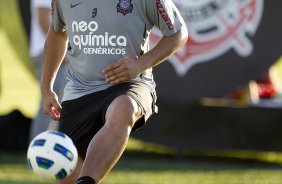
[145, 163]
[134, 169]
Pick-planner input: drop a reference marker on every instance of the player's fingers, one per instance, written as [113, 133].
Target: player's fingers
[56, 105]
[111, 67]
[117, 76]
[119, 80]
[50, 113]
[55, 114]
[54, 110]
[113, 72]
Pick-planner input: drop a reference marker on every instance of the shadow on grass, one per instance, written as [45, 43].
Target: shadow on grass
[131, 162]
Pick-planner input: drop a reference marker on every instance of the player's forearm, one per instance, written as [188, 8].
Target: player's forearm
[54, 52]
[166, 47]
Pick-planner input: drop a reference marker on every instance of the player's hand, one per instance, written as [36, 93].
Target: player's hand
[123, 70]
[51, 106]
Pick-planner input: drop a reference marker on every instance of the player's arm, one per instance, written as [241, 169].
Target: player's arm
[128, 68]
[54, 52]
[166, 47]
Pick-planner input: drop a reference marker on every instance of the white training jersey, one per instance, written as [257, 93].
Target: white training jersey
[103, 31]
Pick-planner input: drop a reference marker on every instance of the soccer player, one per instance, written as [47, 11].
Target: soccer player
[110, 90]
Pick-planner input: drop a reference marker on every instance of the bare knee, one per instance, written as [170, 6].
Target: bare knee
[123, 111]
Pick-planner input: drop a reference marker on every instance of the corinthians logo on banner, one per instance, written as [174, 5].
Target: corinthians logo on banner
[215, 27]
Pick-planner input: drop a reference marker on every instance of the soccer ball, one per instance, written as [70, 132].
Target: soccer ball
[52, 154]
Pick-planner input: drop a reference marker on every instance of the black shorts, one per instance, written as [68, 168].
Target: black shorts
[83, 117]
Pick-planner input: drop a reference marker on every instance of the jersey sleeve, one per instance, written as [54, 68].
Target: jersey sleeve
[164, 15]
[57, 17]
